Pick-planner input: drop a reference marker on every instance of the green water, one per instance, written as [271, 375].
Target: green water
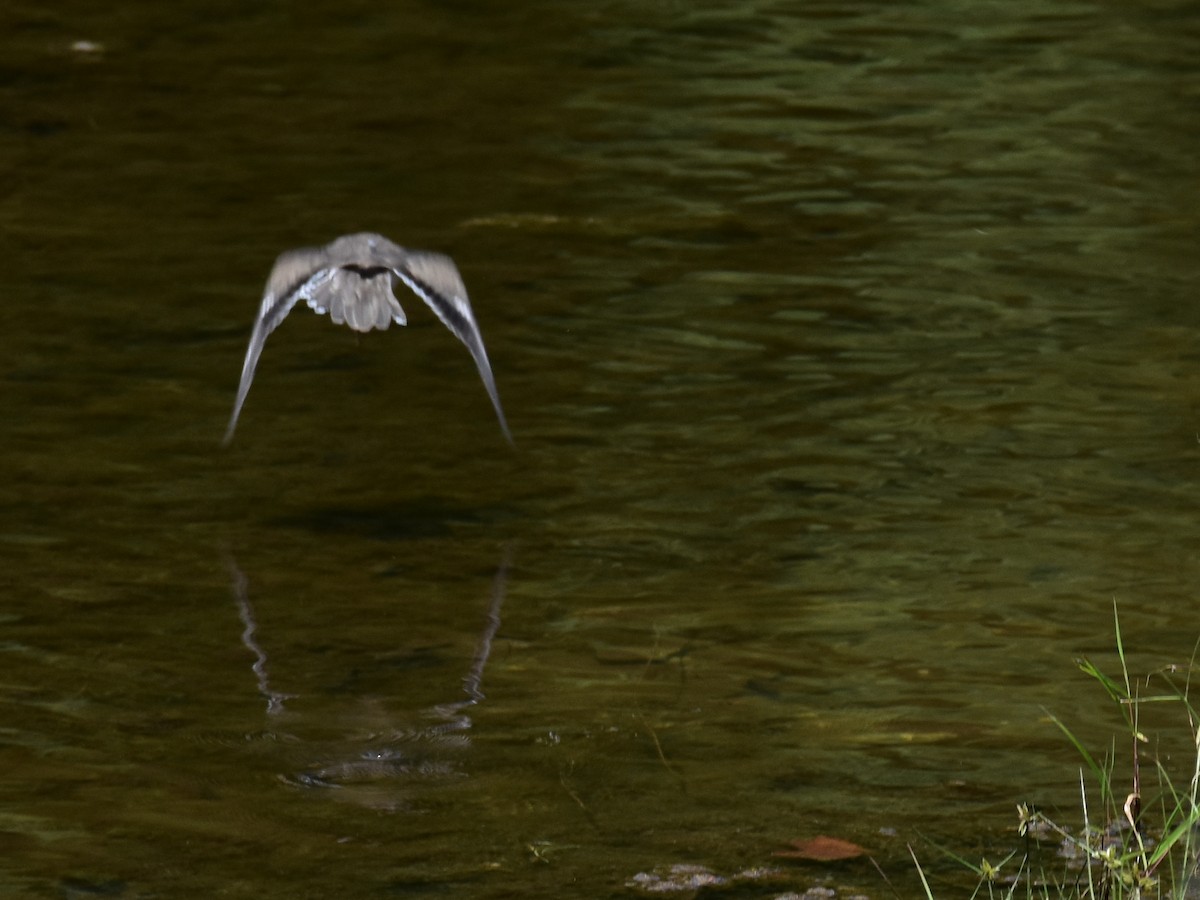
[850, 354]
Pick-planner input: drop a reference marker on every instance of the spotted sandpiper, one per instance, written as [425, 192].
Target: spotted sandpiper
[351, 279]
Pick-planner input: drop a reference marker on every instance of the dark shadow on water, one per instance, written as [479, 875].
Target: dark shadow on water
[414, 519]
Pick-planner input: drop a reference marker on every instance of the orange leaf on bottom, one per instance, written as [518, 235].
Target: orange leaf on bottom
[822, 849]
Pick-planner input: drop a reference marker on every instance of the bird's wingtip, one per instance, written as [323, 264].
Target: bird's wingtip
[501, 418]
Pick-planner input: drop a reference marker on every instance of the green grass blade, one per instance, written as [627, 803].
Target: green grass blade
[1092, 765]
[920, 872]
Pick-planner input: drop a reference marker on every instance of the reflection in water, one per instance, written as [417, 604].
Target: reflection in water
[241, 594]
[399, 752]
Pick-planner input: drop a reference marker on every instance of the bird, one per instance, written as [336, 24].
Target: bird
[351, 279]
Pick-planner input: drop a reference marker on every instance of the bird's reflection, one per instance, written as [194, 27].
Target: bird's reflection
[241, 594]
[380, 764]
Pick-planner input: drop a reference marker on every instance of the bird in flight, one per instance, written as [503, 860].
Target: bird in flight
[351, 279]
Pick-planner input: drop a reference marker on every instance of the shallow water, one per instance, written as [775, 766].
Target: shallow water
[849, 352]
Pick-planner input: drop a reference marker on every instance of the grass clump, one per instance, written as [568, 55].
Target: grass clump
[1131, 846]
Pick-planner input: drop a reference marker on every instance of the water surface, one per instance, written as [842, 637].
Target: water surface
[849, 352]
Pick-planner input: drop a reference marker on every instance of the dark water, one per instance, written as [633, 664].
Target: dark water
[850, 354]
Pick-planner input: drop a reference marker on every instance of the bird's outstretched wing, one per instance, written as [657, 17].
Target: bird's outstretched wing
[297, 274]
[435, 279]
